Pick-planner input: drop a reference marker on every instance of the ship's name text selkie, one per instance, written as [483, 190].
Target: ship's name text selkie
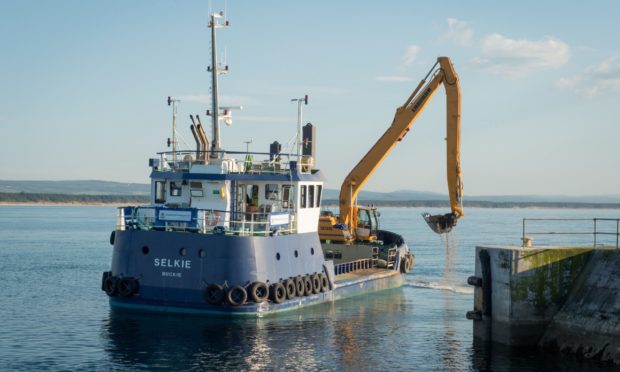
[177, 264]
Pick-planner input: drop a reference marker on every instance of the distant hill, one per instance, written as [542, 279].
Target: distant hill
[406, 195]
[94, 187]
[89, 187]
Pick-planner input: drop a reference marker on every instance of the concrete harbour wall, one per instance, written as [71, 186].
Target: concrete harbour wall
[560, 298]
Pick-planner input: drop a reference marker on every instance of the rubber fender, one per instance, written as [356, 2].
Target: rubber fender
[277, 293]
[316, 283]
[236, 296]
[127, 286]
[308, 287]
[259, 292]
[104, 276]
[291, 289]
[109, 286]
[324, 282]
[214, 294]
[112, 237]
[474, 315]
[300, 287]
[475, 281]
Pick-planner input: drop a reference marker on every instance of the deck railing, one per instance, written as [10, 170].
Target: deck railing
[205, 221]
[347, 267]
[598, 228]
[251, 163]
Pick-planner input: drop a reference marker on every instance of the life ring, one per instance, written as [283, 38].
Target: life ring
[259, 292]
[316, 283]
[236, 296]
[214, 294]
[277, 293]
[212, 218]
[291, 289]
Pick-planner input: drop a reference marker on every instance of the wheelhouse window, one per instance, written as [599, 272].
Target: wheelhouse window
[286, 196]
[319, 189]
[175, 189]
[195, 189]
[271, 191]
[160, 192]
[302, 196]
[311, 196]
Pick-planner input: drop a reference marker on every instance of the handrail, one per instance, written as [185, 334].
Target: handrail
[594, 232]
[276, 163]
[347, 267]
[206, 221]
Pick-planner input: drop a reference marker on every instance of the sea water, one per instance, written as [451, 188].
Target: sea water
[54, 316]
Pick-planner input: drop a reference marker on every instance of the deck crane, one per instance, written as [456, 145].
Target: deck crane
[358, 223]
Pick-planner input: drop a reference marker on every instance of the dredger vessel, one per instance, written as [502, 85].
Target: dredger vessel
[242, 233]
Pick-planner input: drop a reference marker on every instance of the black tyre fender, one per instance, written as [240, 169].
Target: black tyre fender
[259, 292]
[236, 296]
[291, 289]
[112, 237]
[324, 282]
[308, 288]
[127, 286]
[214, 294]
[300, 287]
[110, 285]
[277, 293]
[316, 283]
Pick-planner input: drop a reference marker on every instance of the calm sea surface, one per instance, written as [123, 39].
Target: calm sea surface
[54, 316]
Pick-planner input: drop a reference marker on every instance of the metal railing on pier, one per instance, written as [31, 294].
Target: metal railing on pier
[600, 229]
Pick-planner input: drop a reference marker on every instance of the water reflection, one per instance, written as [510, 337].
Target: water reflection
[347, 333]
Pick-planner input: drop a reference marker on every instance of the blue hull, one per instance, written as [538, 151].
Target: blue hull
[168, 271]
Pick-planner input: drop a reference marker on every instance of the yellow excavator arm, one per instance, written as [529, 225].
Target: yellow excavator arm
[403, 120]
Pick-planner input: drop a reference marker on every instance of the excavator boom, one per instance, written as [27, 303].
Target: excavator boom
[403, 120]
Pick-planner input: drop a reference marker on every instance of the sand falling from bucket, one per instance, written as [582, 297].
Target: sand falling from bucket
[450, 246]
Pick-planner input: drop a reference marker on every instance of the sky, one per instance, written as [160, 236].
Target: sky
[83, 87]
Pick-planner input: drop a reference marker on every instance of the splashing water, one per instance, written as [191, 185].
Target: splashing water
[450, 244]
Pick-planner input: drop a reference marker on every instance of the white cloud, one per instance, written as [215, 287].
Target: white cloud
[393, 79]
[410, 55]
[515, 58]
[459, 32]
[595, 80]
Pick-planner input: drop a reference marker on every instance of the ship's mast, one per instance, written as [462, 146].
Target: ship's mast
[215, 71]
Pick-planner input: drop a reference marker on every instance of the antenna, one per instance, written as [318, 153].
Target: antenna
[247, 145]
[299, 101]
[215, 70]
[173, 102]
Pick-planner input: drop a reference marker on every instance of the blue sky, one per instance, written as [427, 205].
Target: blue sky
[83, 87]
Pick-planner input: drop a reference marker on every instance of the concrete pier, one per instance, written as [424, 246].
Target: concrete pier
[562, 298]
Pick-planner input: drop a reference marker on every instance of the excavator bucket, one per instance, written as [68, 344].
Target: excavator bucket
[440, 223]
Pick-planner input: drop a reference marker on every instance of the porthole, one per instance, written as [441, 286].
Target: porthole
[278, 256]
[202, 253]
[296, 254]
[145, 250]
[183, 251]
[312, 251]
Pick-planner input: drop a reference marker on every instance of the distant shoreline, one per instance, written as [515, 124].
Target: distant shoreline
[28, 199]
